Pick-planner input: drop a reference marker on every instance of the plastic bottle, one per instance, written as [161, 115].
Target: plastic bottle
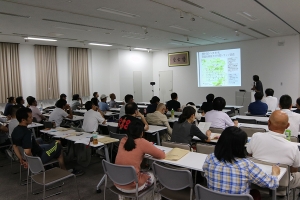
[172, 113]
[95, 138]
[288, 134]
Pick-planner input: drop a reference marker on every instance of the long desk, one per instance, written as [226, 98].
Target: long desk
[195, 161]
[260, 119]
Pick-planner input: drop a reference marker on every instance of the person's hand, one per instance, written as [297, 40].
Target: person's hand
[104, 122]
[24, 163]
[208, 133]
[67, 106]
[216, 137]
[275, 170]
[236, 122]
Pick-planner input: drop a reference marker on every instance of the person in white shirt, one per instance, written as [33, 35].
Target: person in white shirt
[273, 146]
[13, 122]
[128, 99]
[76, 102]
[271, 101]
[217, 117]
[36, 113]
[92, 117]
[59, 112]
[285, 104]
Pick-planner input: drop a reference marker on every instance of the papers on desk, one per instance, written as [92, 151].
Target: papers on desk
[204, 126]
[176, 154]
[62, 129]
[107, 140]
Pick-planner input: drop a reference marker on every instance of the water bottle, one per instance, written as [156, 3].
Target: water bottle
[288, 134]
[172, 113]
[95, 138]
[41, 108]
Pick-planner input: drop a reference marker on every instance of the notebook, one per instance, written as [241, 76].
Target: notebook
[176, 154]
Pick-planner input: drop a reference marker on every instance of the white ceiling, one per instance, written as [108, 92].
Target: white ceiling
[75, 23]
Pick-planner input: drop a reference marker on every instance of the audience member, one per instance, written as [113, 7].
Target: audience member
[298, 106]
[197, 115]
[131, 152]
[173, 104]
[92, 118]
[271, 101]
[63, 96]
[154, 102]
[95, 99]
[258, 107]
[36, 113]
[257, 87]
[4, 136]
[20, 102]
[208, 105]
[11, 102]
[76, 102]
[102, 104]
[217, 117]
[285, 104]
[128, 99]
[132, 113]
[59, 112]
[113, 103]
[273, 146]
[13, 122]
[229, 161]
[184, 130]
[159, 118]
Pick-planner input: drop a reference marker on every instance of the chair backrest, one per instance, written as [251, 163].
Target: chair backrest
[205, 148]
[262, 123]
[294, 139]
[34, 163]
[247, 121]
[112, 129]
[119, 174]
[207, 194]
[178, 145]
[173, 179]
[216, 130]
[250, 131]
[116, 135]
[249, 114]
[231, 113]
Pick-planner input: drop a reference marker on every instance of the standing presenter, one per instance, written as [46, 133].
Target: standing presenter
[257, 85]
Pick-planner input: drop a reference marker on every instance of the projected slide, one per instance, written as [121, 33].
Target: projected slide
[219, 68]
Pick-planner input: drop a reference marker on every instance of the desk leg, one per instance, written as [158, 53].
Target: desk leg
[274, 194]
[106, 153]
[158, 138]
[103, 178]
[33, 131]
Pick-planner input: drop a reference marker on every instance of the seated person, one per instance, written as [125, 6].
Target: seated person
[13, 122]
[92, 118]
[298, 106]
[217, 117]
[197, 115]
[20, 101]
[102, 104]
[152, 107]
[128, 99]
[132, 114]
[4, 135]
[95, 99]
[76, 102]
[11, 102]
[229, 166]
[131, 153]
[173, 104]
[113, 103]
[271, 101]
[285, 104]
[23, 137]
[59, 112]
[159, 118]
[273, 146]
[63, 96]
[258, 107]
[184, 130]
[36, 113]
[208, 105]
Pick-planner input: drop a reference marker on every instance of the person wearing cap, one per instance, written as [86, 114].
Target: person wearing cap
[102, 104]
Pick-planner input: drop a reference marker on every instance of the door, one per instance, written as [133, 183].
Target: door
[137, 86]
[165, 85]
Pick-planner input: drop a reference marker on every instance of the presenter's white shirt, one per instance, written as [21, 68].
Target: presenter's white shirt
[218, 119]
[294, 120]
[275, 148]
[57, 116]
[91, 120]
[271, 101]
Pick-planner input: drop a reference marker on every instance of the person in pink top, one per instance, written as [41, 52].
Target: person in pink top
[131, 153]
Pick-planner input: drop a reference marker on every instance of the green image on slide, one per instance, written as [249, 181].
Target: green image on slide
[214, 69]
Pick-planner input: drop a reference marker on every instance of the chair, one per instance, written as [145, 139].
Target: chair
[207, 194]
[250, 131]
[177, 184]
[231, 113]
[216, 130]
[115, 144]
[246, 121]
[205, 148]
[112, 129]
[178, 145]
[122, 175]
[45, 177]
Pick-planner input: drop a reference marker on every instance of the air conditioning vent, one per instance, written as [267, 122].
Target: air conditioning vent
[256, 31]
[227, 18]
[14, 15]
[192, 4]
[71, 23]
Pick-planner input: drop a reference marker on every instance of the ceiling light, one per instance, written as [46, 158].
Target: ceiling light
[192, 17]
[104, 45]
[181, 15]
[142, 49]
[273, 31]
[237, 33]
[218, 37]
[247, 16]
[117, 12]
[43, 39]
[179, 27]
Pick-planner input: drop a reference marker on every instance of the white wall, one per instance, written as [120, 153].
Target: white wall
[114, 74]
[274, 64]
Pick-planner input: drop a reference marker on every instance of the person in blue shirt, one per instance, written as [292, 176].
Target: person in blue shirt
[102, 104]
[9, 105]
[258, 107]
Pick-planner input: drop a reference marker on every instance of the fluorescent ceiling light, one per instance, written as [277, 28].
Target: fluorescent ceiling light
[273, 31]
[104, 45]
[247, 16]
[43, 39]
[142, 49]
[117, 12]
[179, 27]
